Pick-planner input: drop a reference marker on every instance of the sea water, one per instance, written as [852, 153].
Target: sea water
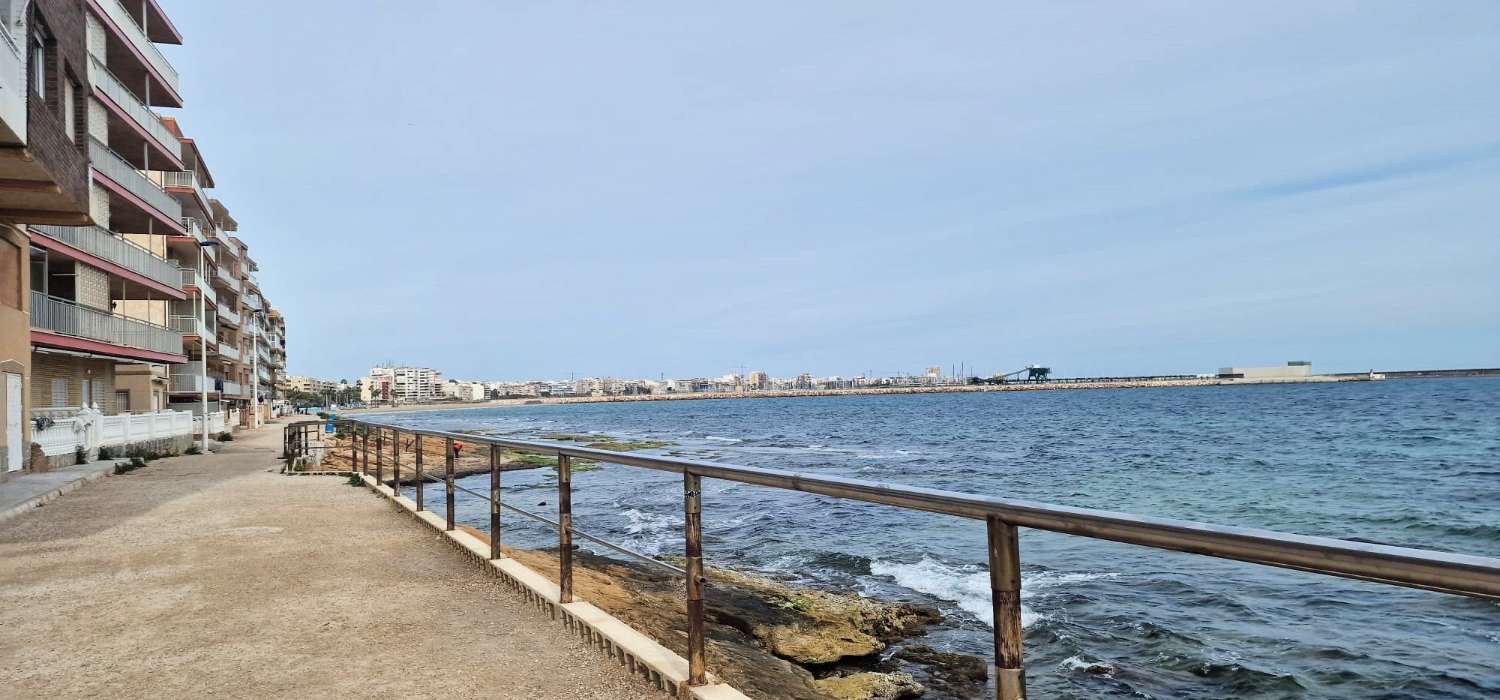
[1410, 463]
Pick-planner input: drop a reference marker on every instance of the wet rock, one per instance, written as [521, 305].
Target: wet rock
[759, 631]
[959, 675]
[870, 686]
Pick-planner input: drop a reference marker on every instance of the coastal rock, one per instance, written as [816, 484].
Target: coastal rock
[809, 626]
[870, 686]
[959, 675]
[757, 628]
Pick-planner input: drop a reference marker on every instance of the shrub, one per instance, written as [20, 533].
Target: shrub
[322, 415]
[195, 450]
[356, 480]
[106, 453]
[226, 436]
[80, 455]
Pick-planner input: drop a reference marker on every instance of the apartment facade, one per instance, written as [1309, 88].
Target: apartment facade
[136, 291]
[402, 384]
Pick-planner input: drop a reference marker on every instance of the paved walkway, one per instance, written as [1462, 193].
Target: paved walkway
[216, 576]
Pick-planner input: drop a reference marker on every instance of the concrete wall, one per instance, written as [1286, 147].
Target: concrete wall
[146, 386]
[15, 330]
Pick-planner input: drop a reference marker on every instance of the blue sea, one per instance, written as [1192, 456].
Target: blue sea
[1412, 463]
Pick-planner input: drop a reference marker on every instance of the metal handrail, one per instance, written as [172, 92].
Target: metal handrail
[128, 101]
[68, 317]
[103, 243]
[128, 24]
[115, 167]
[1445, 572]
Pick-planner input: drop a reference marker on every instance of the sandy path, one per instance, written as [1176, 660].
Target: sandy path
[216, 576]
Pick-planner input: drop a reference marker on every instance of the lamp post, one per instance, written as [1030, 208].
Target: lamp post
[203, 342]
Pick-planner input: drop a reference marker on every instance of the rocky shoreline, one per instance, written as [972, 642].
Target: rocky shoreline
[771, 639]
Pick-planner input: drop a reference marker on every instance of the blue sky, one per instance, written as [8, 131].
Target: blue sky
[518, 190]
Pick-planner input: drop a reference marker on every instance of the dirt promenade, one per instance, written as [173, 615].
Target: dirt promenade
[216, 576]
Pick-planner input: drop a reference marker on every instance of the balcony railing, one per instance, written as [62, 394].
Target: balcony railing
[101, 243]
[228, 278]
[65, 317]
[186, 179]
[122, 18]
[191, 325]
[116, 168]
[193, 278]
[195, 230]
[228, 350]
[228, 314]
[151, 121]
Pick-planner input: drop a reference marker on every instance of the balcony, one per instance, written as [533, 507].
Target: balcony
[191, 325]
[137, 51]
[64, 317]
[144, 124]
[193, 278]
[225, 277]
[119, 172]
[104, 245]
[228, 315]
[182, 181]
[229, 351]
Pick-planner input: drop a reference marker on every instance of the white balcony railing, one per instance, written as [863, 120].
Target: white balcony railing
[227, 314]
[226, 276]
[65, 317]
[116, 168]
[101, 243]
[195, 230]
[128, 101]
[122, 18]
[191, 325]
[230, 351]
[186, 179]
[192, 278]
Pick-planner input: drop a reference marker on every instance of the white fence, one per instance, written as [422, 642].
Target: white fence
[91, 430]
[216, 423]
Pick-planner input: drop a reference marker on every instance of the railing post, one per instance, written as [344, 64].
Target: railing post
[565, 528]
[396, 462]
[1005, 591]
[494, 502]
[365, 467]
[418, 481]
[353, 447]
[448, 477]
[692, 511]
[379, 456]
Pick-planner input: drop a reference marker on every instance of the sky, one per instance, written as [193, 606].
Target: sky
[516, 190]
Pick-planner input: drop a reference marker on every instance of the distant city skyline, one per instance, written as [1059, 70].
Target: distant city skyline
[1098, 187]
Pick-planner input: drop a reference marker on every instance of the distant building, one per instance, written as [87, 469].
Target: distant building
[405, 384]
[758, 380]
[464, 391]
[1293, 370]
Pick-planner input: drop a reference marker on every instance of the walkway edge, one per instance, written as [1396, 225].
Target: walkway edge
[640, 654]
[54, 494]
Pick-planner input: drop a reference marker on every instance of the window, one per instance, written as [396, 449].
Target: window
[39, 63]
[59, 393]
[88, 394]
[70, 118]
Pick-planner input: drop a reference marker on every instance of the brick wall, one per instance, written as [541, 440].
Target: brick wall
[47, 368]
[91, 287]
[46, 136]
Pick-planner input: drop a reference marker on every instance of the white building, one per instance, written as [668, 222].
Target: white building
[464, 391]
[405, 384]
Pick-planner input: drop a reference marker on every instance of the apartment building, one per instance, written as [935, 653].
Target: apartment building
[402, 384]
[44, 179]
[137, 291]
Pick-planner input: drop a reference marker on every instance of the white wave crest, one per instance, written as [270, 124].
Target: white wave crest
[650, 532]
[969, 586]
[716, 438]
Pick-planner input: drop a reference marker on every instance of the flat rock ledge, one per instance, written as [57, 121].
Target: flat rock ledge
[770, 639]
